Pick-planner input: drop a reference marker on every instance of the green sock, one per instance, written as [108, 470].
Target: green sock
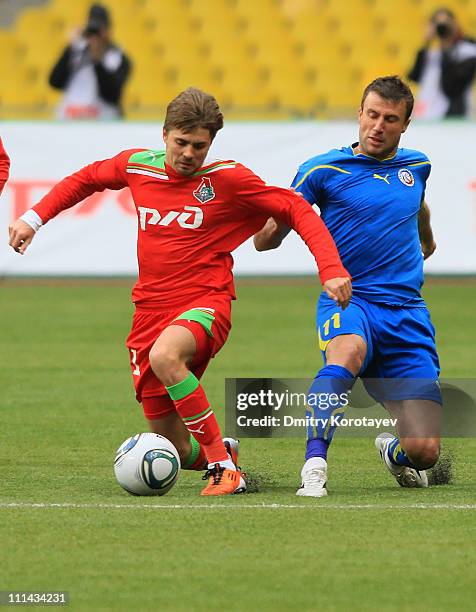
[195, 452]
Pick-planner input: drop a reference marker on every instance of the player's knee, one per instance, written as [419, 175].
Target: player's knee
[424, 453]
[347, 353]
[163, 362]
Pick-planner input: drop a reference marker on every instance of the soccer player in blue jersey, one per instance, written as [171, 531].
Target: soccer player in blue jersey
[371, 197]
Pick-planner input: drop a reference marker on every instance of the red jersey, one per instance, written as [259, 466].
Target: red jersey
[189, 225]
[4, 166]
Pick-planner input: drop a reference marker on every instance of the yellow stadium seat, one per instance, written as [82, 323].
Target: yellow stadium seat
[20, 88]
[73, 14]
[12, 51]
[267, 57]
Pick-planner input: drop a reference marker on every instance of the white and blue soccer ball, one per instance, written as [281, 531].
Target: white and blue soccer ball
[147, 464]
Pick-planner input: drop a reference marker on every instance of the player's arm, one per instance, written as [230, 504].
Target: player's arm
[100, 175]
[425, 232]
[271, 235]
[301, 217]
[274, 231]
[293, 211]
[4, 166]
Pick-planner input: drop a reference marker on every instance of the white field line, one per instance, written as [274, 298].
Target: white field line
[316, 506]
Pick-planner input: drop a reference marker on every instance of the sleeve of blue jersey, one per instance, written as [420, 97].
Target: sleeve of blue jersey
[426, 168]
[418, 161]
[306, 182]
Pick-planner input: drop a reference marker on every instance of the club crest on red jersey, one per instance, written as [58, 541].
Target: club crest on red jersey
[204, 192]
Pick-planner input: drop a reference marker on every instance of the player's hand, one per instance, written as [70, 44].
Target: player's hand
[299, 193]
[21, 234]
[340, 290]
[75, 35]
[270, 235]
[428, 249]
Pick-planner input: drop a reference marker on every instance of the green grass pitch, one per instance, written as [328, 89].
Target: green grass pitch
[67, 403]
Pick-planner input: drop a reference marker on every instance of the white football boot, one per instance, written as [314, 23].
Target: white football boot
[405, 476]
[233, 448]
[314, 478]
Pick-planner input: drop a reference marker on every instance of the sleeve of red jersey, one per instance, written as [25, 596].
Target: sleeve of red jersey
[4, 166]
[255, 196]
[106, 174]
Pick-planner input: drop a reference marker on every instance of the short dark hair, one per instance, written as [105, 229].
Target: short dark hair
[98, 17]
[192, 109]
[443, 10]
[390, 88]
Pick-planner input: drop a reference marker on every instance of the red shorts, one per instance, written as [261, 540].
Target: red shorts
[147, 327]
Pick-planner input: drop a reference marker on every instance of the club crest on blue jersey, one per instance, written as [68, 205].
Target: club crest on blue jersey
[406, 177]
[204, 192]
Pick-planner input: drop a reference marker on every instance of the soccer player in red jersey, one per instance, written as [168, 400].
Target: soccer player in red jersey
[4, 166]
[191, 215]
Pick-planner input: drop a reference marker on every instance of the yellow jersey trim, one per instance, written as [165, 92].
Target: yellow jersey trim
[318, 168]
[420, 164]
[334, 413]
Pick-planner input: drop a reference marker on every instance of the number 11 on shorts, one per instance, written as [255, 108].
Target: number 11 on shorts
[335, 320]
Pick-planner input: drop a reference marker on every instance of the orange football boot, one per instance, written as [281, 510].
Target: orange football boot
[222, 481]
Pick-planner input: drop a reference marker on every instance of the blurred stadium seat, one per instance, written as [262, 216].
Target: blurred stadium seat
[261, 58]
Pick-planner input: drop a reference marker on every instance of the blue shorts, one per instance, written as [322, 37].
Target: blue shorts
[400, 345]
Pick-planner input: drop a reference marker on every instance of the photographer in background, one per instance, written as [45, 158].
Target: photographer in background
[445, 69]
[91, 71]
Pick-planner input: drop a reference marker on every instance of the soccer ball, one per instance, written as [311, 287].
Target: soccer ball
[147, 464]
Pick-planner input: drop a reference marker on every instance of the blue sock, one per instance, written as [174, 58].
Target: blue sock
[316, 447]
[327, 398]
[397, 455]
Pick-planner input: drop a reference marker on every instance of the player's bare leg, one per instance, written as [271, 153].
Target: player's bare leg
[417, 447]
[170, 358]
[172, 353]
[419, 430]
[172, 427]
[348, 351]
[345, 355]
[192, 454]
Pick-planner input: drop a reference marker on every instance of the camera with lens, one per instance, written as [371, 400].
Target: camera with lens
[92, 29]
[444, 30]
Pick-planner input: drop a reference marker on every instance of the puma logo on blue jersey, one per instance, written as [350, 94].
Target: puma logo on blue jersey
[382, 178]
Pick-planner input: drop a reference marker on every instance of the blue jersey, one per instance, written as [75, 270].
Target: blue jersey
[371, 209]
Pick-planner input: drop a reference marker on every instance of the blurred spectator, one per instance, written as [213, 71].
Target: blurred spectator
[91, 71]
[445, 69]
